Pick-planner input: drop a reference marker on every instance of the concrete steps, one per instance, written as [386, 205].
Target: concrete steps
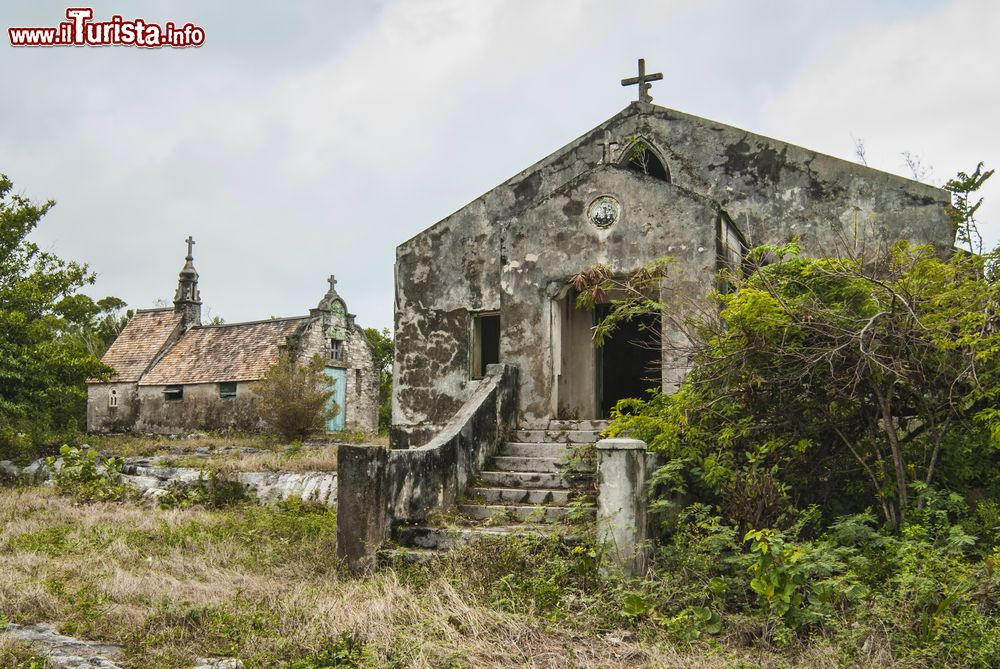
[536, 450]
[507, 479]
[535, 483]
[521, 495]
[555, 436]
[508, 512]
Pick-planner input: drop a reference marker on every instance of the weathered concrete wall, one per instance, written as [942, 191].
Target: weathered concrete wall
[551, 241]
[771, 189]
[380, 487]
[441, 276]
[201, 408]
[102, 417]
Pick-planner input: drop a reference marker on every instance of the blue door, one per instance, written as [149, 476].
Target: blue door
[338, 377]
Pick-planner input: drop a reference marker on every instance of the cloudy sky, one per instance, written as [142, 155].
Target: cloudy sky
[308, 138]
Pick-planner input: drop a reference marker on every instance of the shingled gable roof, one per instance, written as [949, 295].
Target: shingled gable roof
[218, 353]
[142, 339]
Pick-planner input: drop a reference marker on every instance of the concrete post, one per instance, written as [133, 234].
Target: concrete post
[362, 515]
[622, 526]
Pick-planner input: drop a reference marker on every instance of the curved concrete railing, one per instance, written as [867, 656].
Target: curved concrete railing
[380, 487]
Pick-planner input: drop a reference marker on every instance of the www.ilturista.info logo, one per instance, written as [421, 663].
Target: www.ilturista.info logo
[81, 31]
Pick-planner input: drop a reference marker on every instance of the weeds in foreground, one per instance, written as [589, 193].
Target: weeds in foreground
[16, 654]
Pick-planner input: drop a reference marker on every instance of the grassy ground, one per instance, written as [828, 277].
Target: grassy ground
[265, 585]
[17, 655]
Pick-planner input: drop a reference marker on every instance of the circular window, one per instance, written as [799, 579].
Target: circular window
[604, 211]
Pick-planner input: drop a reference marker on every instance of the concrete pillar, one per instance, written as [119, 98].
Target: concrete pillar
[362, 514]
[622, 525]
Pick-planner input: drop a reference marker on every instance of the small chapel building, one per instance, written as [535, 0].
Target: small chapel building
[174, 374]
[491, 282]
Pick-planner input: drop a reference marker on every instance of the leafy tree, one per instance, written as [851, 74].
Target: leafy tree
[818, 371]
[964, 208]
[50, 334]
[384, 350]
[295, 399]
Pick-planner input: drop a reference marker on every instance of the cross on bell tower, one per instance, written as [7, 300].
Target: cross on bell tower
[643, 80]
[187, 299]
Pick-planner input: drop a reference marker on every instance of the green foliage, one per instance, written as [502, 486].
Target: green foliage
[344, 653]
[963, 210]
[213, 490]
[82, 474]
[383, 346]
[817, 369]
[15, 654]
[51, 336]
[636, 294]
[295, 399]
[777, 575]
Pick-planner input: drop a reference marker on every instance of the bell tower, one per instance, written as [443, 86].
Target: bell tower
[187, 299]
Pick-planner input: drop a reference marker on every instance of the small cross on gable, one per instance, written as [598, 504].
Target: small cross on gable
[610, 148]
[333, 282]
[190, 243]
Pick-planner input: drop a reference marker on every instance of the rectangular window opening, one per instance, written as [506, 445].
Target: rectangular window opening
[227, 390]
[173, 393]
[336, 349]
[731, 253]
[485, 343]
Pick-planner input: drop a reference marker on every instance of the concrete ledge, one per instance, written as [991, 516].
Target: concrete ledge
[621, 445]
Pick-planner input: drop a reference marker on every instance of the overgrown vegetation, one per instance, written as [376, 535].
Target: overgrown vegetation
[382, 343]
[833, 456]
[295, 399]
[212, 490]
[51, 335]
[15, 654]
[85, 476]
[264, 585]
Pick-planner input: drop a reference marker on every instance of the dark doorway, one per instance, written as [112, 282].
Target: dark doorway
[485, 343]
[630, 360]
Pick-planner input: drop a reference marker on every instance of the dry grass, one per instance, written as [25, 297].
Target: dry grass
[144, 445]
[16, 654]
[318, 458]
[265, 585]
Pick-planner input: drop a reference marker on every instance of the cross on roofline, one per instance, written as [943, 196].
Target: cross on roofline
[333, 282]
[190, 243]
[643, 80]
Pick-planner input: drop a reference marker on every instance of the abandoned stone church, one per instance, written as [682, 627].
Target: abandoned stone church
[490, 283]
[174, 374]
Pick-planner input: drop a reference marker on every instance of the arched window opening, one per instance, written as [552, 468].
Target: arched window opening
[113, 399]
[641, 158]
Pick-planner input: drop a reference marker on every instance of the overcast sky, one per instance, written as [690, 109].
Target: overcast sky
[309, 138]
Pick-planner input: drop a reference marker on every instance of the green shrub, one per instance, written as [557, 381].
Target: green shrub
[86, 477]
[214, 491]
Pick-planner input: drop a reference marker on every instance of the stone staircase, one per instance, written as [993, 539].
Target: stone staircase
[536, 483]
